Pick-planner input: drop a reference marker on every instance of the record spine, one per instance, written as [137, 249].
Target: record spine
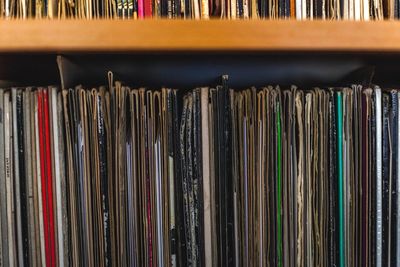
[57, 176]
[3, 194]
[398, 185]
[9, 176]
[378, 106]
[340, 178]
[17, 177]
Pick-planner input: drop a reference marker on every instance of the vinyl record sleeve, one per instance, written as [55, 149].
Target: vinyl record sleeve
[30, 210]
[379, 188]
[205, 149]
[63, 184]
[333, 235]
[386, 178]
[3, 194]
[57, 175]
[339, 112]
[40, 216]
[19, 171]
[8, 144]
[393, 179]
[397, 177]
[70, 175]
[300, 180]
[49, 175]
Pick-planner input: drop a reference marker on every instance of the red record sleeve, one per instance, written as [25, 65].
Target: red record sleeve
[43, 177]
[49, 187]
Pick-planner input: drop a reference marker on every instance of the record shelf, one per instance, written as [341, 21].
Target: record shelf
[214, 35]
[191, 54]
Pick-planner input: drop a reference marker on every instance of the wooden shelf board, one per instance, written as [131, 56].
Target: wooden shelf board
[214, 35]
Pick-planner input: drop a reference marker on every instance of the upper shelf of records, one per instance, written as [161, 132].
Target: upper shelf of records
[197, 35]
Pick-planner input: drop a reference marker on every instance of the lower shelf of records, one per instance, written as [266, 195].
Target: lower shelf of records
[208, 177]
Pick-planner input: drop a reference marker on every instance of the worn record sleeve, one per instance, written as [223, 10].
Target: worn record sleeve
[372, 181]
[150, 177]
[79, 157]
[19, 171]
[308, 186]
[386, 178]
[172, 159]
[393, 181]
[341, 204]
[49, 178]
[379, 178]
[53, 184]
[143, 161]
[70, 176]
[397, 178]
[285, 173]
[3, 194]
[40, 216]
[133, 183]
[103, 168]
[158, 178]
[365, 217]
[129, 175]
[8, 130]
[242, 256]
[236, 173]
[333, 185]
[29, 176]
[179, 209]
[57, 175]
[120, 149]
[198, 177]
[185, 201]
[213, 173]
[164, 154]
[63, 182]
[227, 131]
[190, 181]
[357, 144]
[98, 245]
[279, 198]
[244, 124]
[88, 191]
[300, 179]
[36, 215]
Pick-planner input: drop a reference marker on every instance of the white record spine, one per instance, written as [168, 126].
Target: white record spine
[53, 92]
[206, 176]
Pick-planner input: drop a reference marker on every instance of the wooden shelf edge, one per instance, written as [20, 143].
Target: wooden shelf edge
[60, 36]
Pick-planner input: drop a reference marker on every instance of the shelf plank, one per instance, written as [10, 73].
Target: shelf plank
[214, 35]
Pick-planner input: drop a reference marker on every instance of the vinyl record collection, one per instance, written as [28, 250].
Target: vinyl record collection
[203, 9]
[114, 176]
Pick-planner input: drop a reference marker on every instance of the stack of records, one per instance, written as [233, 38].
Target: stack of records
[116, 176]
[202, 9]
